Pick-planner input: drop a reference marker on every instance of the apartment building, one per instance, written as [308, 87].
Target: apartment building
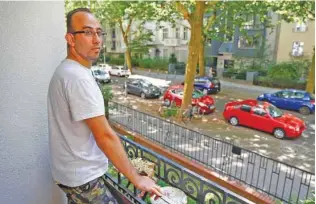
[166, 40]
[295, 40]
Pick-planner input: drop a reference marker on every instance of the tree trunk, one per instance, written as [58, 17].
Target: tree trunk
[195, 39]
[201, 58]
[310, 86]
[128, 57]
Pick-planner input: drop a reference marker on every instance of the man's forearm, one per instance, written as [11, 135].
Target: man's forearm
[114, 150]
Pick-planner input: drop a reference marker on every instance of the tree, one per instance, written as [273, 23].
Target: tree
[127, 14]
[230, 13]
[310, 87]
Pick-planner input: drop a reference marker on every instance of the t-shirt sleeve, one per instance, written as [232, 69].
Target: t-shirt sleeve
[85, 100]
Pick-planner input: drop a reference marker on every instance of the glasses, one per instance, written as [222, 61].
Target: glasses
[90, 33]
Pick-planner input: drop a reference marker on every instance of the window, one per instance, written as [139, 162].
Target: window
[113, 45]
[250, 42]
[177, 33]
[113, 33]
[164, 33]
[249, 22]
[245, 108]
[185, 33]
[284, 94]
[165, 53]
[298, 95]
[300, 27]
[297, 48]
[259, 111]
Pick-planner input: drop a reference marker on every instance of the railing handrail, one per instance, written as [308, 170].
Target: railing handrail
[184, 170]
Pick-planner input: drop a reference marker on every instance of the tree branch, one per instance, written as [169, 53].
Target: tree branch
[210, 21]
[121, 26]
[129, 26]
[183, 10]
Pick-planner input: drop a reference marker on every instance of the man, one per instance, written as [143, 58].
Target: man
[80, 137]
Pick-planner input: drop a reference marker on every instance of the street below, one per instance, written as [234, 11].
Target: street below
[296, 152]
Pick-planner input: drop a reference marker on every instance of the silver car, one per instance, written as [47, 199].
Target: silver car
[101, 76]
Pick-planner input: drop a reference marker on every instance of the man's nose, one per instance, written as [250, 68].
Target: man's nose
[96, 38]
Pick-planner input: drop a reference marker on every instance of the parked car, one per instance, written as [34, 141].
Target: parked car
[174, 96]
[265, 117]
[120, 71]
[207, 84]
[101, 76]
[291, 99]
[142, 88]
[161, 83]
[106, 67]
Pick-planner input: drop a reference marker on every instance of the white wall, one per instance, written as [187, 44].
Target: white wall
[31, 45]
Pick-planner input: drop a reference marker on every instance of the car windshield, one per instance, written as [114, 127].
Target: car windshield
[99, 72]
[197, 94]
[274, 111]
[147, 84]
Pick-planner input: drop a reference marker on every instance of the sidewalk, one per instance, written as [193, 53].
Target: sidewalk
[226, 84]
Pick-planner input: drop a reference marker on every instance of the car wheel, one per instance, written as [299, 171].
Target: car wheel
[119, 74]
[233, 121]
[167, 102]
[205, 91]
[304, 110]
[142, 95]
[279, 133]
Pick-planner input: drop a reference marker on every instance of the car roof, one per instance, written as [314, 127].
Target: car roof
[293, 90]
[176, 87]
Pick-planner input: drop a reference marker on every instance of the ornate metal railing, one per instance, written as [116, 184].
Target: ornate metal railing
[279, 180]
[197, 188]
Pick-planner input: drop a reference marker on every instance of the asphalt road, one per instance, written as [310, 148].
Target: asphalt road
[297, 152]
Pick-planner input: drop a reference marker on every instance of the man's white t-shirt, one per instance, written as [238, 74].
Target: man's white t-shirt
[72, 97]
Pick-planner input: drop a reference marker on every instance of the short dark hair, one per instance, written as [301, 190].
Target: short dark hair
[71, 13]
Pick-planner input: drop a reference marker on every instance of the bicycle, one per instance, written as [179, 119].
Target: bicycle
[193, 112]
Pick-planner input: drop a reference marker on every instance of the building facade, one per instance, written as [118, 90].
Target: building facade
[166, 40]
[295, 40]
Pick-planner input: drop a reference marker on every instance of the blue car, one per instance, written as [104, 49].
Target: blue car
[291, 99]
[207, 84]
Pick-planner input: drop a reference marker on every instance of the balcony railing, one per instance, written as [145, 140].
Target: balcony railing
[197, 188]
[279, 180]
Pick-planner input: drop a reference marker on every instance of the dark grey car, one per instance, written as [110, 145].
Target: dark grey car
[142, 88]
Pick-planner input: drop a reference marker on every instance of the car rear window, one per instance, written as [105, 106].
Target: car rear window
[245, 108]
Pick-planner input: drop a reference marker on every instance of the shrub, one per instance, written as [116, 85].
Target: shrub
[173, 59]
[279, 83]
[117, 61]
[155, 63]
[284, 70]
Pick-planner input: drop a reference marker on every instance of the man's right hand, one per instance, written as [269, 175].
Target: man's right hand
[146, 184]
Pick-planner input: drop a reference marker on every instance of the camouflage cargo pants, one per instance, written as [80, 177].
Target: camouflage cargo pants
[93, 192]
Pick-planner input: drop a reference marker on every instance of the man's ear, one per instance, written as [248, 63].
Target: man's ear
[70, 39]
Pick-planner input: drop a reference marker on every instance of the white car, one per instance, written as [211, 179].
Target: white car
[101, 76]
[105, 67]
[120, 71]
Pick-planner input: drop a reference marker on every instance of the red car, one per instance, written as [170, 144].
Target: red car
[263, 116]
[174, 95]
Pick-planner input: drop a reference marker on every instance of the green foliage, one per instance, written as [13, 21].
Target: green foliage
[155, 63]
[116, 61]
[280, 83]
[170, 112]
[173, 59]
[292, 70]
[107, 92]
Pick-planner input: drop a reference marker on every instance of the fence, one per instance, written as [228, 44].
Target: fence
[279, 180]
[197, 188]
